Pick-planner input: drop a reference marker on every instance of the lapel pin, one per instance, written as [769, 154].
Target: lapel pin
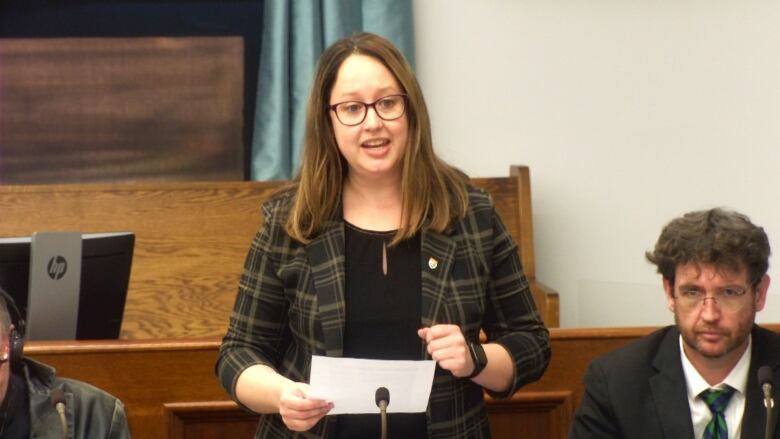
[433, 263]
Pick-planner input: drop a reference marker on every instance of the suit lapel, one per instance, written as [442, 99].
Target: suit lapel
[776, 409]
[326, 257]
[437, 252]
[764, 352]
[669, 389]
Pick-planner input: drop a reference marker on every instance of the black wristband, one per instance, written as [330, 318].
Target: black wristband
[478, 357]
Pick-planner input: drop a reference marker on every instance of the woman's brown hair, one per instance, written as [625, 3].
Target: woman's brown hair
[433, 192]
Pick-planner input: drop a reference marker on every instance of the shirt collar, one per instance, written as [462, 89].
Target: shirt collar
[736, 379]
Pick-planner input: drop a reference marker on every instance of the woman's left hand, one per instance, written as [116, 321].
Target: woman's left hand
[446, 345]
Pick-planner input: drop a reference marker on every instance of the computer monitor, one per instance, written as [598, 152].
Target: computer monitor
[106, 259]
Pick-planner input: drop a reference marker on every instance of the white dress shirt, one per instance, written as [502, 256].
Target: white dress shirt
[700, 412]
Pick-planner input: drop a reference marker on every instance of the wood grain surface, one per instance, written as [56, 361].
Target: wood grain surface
[191, 241]
[77, 110]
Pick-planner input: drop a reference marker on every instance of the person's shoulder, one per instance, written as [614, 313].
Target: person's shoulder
[480, 212]
[478, 194]
[97, 413]
[282, 196]
[42, 378]
[84, 392]
[766, 339]
[37, 373]
[278, 205]
[480, 200]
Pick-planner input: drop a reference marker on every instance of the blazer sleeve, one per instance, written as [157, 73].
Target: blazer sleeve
[119, 427]
[511, 318]
[258, 328]
[595, 417]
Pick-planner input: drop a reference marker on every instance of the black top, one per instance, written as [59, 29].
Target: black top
[383, 316]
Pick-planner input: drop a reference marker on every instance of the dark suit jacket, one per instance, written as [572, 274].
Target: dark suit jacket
[639, 391]
[291, 305]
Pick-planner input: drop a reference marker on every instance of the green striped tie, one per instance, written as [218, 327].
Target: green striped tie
[717, 400]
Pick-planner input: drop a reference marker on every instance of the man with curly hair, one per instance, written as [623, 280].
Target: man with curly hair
[697, 378]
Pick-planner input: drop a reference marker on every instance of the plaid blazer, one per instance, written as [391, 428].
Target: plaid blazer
[290, 305]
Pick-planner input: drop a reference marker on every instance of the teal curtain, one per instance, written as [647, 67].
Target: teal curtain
[295, 32]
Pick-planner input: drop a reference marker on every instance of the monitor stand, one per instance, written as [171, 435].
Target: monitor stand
[55, 280]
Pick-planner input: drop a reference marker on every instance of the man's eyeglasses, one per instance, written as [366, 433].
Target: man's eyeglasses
[353, 113]
[728, 299]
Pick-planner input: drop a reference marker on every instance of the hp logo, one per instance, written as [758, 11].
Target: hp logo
[57, 267]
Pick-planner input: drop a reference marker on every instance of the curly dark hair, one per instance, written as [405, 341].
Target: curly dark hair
[718, 237]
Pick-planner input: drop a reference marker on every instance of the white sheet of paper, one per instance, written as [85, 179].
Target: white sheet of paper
[351, 384]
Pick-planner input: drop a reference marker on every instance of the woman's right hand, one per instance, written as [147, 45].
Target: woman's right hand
[298, 412]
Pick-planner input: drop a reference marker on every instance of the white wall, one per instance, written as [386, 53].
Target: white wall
[629, 113]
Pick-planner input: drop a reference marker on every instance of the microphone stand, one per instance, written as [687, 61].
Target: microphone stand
[58, 401]
[765, 379]
[383, 415]
[382, 399]
[769, 403]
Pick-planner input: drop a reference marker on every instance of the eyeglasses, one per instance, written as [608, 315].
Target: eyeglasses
[351, 113]
[729, 299]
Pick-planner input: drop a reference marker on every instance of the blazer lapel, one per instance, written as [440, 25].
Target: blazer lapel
[437, 252]
[776, 407]
[754, 419]
[326, 257]
[669, 389]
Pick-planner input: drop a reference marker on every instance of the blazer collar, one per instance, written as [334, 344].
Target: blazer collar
[437, 251]
[668, 386]
[326, 258]
[764, 353]
[669, 389]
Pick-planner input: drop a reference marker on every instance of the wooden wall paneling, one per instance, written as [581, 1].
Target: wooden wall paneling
[121, 109]
[209, 420]
[532, 415]
[191, 242]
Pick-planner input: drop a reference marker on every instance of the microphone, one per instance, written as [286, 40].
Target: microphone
[382, 398]
[58, 401]
[765, 379]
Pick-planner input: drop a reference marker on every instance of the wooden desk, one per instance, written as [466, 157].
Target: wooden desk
[170, 390]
